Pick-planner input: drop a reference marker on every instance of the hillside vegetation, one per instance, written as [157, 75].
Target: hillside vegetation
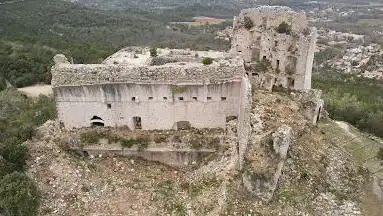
[356, 100]
[32, 31]
[19, 116]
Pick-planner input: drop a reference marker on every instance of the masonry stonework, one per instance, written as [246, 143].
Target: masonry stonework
[177, 89]
[277, 46]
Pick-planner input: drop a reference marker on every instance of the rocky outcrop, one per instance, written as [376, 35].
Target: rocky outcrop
[264, 163]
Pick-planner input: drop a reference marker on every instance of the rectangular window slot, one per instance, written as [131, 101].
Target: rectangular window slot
[208, 98]
[150, 98]
[133, 98]
[109, 106]
[165, 98]
[137, 122]
[181, 98]
[254, 74]
[223, 98]
[194, 98]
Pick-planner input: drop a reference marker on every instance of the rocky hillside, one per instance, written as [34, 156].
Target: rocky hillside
[319, 176]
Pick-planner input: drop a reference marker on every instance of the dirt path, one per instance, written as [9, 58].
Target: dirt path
[345, 127]
[35, 91]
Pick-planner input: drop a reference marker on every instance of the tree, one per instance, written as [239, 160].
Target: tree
[248, 22]
[284, 28]
[153, 52]
[19, 196]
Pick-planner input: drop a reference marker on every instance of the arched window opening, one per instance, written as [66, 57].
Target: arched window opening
[97, 121]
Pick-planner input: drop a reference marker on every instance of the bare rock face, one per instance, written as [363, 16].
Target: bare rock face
[264, 163]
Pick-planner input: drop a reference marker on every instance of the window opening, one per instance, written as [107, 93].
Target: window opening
[109, 106]
[150, 98]
[208, 98]
[133, 98]
[291, 82]
[165, 98]
[97, 121]
[137, 122]
[181, 98]
[223, 98]
[194, 98]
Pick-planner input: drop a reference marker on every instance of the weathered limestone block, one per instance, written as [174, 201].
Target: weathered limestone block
[244, 126]
[264, 163]
[311, 102]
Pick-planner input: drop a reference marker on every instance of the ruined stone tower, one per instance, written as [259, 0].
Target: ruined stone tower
[277, 46]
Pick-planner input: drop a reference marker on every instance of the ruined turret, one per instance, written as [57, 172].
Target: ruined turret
[277, 46]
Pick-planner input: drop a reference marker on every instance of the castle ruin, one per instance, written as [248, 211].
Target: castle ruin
[271, 47]
[171, 91]
[277, 46]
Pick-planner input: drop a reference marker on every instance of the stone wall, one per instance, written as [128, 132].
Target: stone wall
[289, 55]
[244, 119]
[160, 106]
[66, 74]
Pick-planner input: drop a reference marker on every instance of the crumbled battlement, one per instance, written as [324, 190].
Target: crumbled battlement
[135, 65]
[272, 16]
[72, 75]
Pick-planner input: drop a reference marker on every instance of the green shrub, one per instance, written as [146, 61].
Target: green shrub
[128, 143]
[284, 28]
[15, 154]
[153, 52]
[248, 23]
[19, 195]
[90, 137]
[5, 167]
[207, 61]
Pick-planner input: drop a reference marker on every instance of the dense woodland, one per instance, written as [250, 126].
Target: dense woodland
[349, 98]
[32, 31]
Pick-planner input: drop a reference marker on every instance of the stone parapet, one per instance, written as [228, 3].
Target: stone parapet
[87, 74]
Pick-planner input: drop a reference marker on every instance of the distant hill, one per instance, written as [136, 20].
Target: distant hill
[32, 31]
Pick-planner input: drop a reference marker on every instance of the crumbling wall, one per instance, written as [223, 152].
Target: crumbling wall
[289, 54]
[244, 119]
